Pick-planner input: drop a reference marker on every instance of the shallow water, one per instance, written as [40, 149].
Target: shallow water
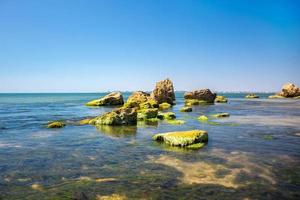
[253, 154]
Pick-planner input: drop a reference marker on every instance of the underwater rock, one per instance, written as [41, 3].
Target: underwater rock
[112, 99]
[119, 116]
[202, 118]
[164, 106]
[202, 95]
[141, 100]
[175, 121]
[186, 109]
[182, 138]
[148, 113]
[289, 90]
[251, 96]
[166, 115]
[219, 115]
[164, 92]
[221, 99]
[56, 125]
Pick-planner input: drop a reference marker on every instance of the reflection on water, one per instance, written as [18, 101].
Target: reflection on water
[256, 158]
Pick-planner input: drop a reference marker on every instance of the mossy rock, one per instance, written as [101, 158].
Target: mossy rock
[298, 97]
[203, 118]
[186, 109]
[251, 96]
[56, 124]
[166, 115]
[148, 113]
[192, 102]
[276, 97]
[84, 121]
[196, 146]
[182, 138]
[112, 99]
[164, 106]
[175, 121]
[221, 99]
[220, 115]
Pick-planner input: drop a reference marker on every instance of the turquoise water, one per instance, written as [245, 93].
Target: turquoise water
[253, 154]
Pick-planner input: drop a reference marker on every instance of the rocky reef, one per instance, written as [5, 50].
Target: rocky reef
[204, 95]
[112, 99]
[164, 92]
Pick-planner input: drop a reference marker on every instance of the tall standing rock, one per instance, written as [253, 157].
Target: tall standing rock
[202, 95]
[164, 92]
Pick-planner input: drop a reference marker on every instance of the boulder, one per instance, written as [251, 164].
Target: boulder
[164, 106]
[119, 116]
[251, 96]
[148, 113]
[166, 115]
[164, 92]
[289, 90]
[56, 125]
[112, 99]
[186, 109]
[221, 99]
[201, 95]
[220, 115]
[182, 138]
[141, 100]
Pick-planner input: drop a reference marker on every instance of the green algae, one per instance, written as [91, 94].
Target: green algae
[186, 109]
[175, 122]
[56, 124]
[147, 113]
[203, 118]
[164, 106]
[196, 145]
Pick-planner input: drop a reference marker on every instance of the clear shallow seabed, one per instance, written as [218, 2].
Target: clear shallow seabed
[253, 154]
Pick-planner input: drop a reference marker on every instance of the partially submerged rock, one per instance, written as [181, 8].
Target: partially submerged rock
[219, 115]
[192, 102]
[221, 99]
[112, 99]
[148, 113]
[276, 97]
[140, 100]
[84, 121]
[203, 118]
[166, 115]
[251, 96]
[202, 95]
[182, 138]
[56, 124]
[164, 106]
[164, 92]
[119, 116]
[186, 109]
[289, 90]
[175, 121]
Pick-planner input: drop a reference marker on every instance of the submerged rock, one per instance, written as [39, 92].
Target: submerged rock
[203, 95]
[164, 92]
[148, 113]
[251, 96]
[175, 121]
[112, 99]
[186, 109]
[166, 115]
[289, 90]
[182, 138]
[219, 115]
[56, 125]
[119, 116]
[221, 99]
[164, 106]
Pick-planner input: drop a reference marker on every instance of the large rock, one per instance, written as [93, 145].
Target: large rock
[201, 95]
[119, 116]
[141, 100]
[164, 92]
[112, 99]
[289, 90]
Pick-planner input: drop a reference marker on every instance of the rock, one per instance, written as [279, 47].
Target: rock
[166, 115]
[251, 96]
[141, 100]
[148, 113]
[202, 118]
[84, 121]
[192, 102]
[164, 106]
[112, 99]
[219, 115]
[203, 95]
[119, 116]
[297, 97]
[289, 90]
[182, 138]
[186, 109]
[164, 92]
[56, 125]
[221, 99]
[175, 121]
[276, 97]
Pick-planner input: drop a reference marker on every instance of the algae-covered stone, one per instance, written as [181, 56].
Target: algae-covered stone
[119, 116]
[186, 109]
[182, 138]
[166, 115]
[196, 146]
[164, 106]
[112, 99]
[297, 97]
[219, 115]
[203, 118]
[203, 95]
[140, 100]
[56, 125]
[164, 92]
[175, 121]
[149, 113]
[84, 121]
[221, 99]
[251, 96]
[276, 97]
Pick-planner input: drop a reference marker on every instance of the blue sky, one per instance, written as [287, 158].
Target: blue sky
[91, 46]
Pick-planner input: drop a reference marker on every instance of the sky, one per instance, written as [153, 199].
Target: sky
[128, 45]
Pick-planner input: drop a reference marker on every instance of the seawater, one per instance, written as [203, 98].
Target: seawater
[253, 154]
